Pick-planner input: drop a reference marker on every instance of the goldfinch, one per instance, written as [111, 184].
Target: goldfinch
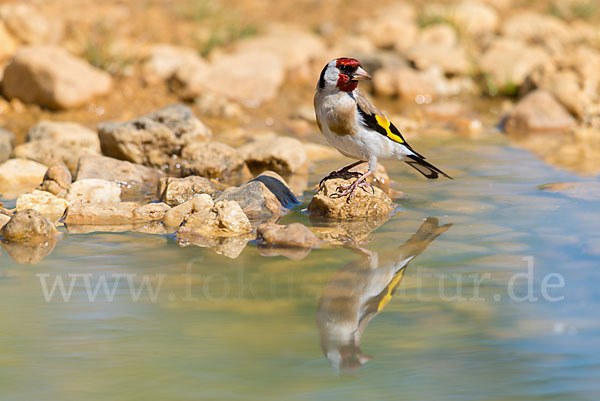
[356, 128]
[360, 290]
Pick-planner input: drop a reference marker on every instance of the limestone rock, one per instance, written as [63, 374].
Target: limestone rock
[363, 204]
[45, 203]
[8, 44]
[94, 191]
[28, 25]
[53, 78]
[21, 173]
[100, 214]
[28, 226]
[282, 155]
[176, 215]
[49, 152]
[156, 139]
[533, 27]
[163, 60]
[539, 112]
[294, 235]
[507, 62]
[175, 191]
[475, 18]
[224, 218]
[132, 178]
[6, 143]
[389, 25]
[65, 133]
[150, 212]
[255, 198]
[57, 179]
[214, 160]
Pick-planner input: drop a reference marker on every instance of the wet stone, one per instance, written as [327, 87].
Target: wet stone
[57, 179]
[175, 191]
[28, 226]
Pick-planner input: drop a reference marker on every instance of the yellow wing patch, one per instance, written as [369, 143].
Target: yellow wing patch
[389, 290]
[385, 124]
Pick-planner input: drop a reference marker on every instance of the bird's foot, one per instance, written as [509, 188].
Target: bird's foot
[342, 173]
[349, 190]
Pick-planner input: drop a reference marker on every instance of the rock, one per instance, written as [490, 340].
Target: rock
[507, 62]
[28, 25]
[263, 197]
[564, 85]
[21, 173]
[442, 35]
[49, 152]
[65, 133]
[536, 28]
[188, 80]
[317, 152]
[452, 60]
[57, 179]
[45, 203]
[538, 112]
[8, 45]
[392, 26]
[134, 179]
[405, 82]
[7, 139]
[294, 235]
[175, 191]
[28, 226]
[474, 18]
[258, 81]
[53, 78]
[150, 212]
[229, 246]
[380, 178]
[211, 105]
[283, 155]
[224, 218]
[163, 60]
[100, 214]
[156, 139]
[176, 215]
[214, 160]
[95, 191]
[4, 219]
[362, 204]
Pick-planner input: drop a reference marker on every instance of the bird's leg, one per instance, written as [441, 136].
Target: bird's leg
[348, 190]
[343, 173]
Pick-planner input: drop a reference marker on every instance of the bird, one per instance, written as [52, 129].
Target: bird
[357, 129]
[360, 290]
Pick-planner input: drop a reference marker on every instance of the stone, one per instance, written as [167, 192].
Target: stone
[150, 212]
[261, 198]
[57, 179]
[283, 155]
[163, 60]
[390, 24]
[214, 160]
[28, 226]
[49, 152]
[507, 63]
[536, 28]
[295, 235]
[45, 203]
[405, 82]
[65, 133]
[53, 78]
[442, 35]
[364, 203]
[188, 80]
[94, 190]
[100, 214]
[229, 246]
[208, 104]
[474, 18]
[134, 179]
[29, 25]
[258, 81]
[8, 45]
[452, 60]
[224, 218]
[4, 219]
[317, 152]
[538, 112]
[176, 215]
[21, 173]
[7, 139]
[156, 139]
[175, 191]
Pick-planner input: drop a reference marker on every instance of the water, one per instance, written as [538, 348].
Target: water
[248, 328]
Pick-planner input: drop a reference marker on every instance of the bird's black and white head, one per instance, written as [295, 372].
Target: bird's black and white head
[342, 74]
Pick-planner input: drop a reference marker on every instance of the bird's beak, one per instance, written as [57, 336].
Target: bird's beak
[360, 75]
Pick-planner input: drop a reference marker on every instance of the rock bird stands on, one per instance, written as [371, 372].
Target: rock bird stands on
[358, 129]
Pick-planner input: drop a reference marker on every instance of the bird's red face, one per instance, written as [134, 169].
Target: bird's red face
[343, 74]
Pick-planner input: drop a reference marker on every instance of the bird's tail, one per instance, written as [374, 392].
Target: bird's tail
[429, 230]
[427, 169]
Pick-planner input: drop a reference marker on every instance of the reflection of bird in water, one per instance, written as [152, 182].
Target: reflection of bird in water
[359, 291]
